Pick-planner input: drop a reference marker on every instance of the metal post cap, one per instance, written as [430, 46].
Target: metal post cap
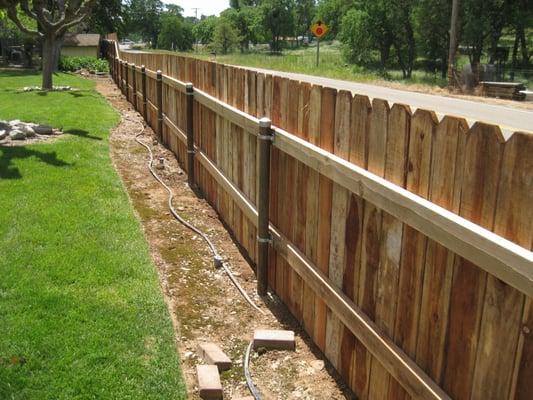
[265, 122]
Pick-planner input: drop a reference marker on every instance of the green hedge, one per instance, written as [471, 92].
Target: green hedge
[88, 63]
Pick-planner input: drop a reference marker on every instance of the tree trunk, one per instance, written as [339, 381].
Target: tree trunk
[453, 42]
[57, 52]
[48, 61]
[523, 47]
[514, 56]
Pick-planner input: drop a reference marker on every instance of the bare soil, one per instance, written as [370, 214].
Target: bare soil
[203, 303]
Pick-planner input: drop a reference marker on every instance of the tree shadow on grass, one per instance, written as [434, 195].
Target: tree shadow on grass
[8, 154]
[82, 133]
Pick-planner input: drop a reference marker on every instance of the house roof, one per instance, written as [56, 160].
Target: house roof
[81, 39]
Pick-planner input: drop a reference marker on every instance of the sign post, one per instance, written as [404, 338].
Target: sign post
[319, 29]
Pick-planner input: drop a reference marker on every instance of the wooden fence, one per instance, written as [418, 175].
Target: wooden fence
[400, 242]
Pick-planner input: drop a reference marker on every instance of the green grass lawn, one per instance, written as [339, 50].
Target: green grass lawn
[81, 312]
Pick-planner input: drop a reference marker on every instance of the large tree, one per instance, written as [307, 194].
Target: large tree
[278, 20]
[144, 17]
[53, 18]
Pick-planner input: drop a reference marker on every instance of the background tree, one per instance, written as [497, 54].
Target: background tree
[225, 36]
[204, 30]
[246, 20]
[432, 24]
[333, 11]
[144, 17]
[106, 17]
[53, 19]
[277, 21]
[366, 29]
[399, 14]
[176, 33]
[304, 11]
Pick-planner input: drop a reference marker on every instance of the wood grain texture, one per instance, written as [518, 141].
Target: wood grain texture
[353, 353]
[339, 214]
[370, 254]
[503, 305]
[483, 156]
[311, 223]
[325, 188]
[445, 190]
[390, 247]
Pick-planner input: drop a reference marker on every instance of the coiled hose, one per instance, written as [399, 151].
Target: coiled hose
[218, 260]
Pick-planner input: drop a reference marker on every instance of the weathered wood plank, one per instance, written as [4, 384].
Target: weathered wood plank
[391, 241]
[370, 256]
[339, 213]
[445, 191]
[483, 155]
[503, 305]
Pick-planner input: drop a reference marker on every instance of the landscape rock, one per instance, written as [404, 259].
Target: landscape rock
[17, 134]
[28, 130]
[18, 130]
[43, 129]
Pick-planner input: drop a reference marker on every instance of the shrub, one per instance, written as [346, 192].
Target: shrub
[76, 63]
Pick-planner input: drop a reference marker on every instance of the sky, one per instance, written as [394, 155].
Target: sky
[206, 7]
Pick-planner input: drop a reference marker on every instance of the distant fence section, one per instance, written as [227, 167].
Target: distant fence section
[400, 242]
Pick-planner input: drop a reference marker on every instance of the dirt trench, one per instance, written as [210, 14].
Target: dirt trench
[203, 303]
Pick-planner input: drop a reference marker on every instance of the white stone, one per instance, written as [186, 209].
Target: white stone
[28, 130]
[3, 135]
[17, 134]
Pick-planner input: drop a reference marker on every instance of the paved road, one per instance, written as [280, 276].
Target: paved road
[508, 118]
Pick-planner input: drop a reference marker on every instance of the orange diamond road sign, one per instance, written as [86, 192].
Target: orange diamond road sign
[319, 29]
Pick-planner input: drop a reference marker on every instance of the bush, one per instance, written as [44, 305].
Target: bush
[72, 64]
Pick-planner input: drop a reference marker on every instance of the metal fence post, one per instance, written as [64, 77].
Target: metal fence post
[159, 90]
[134, 85]
[127, 80]
[122, 77]
[263, 236]
[143, 90]
[115, 69]
[189, 89]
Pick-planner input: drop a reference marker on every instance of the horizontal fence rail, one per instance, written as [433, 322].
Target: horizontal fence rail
[401, 243]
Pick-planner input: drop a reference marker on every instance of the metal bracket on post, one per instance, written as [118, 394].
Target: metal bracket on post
[143, 90]
[159, 82]
[263, 204]
[189, 92]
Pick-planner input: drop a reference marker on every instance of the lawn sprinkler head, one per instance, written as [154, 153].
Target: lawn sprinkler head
[217, 260]
[161, 164]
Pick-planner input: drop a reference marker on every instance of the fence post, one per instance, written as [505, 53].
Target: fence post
[134, 85]
[122, 76]
[263, 203]
[189, 90]
[160, 104]
[143, 90]
[127, 80]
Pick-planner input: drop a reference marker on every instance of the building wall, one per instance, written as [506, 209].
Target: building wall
[86, 51]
